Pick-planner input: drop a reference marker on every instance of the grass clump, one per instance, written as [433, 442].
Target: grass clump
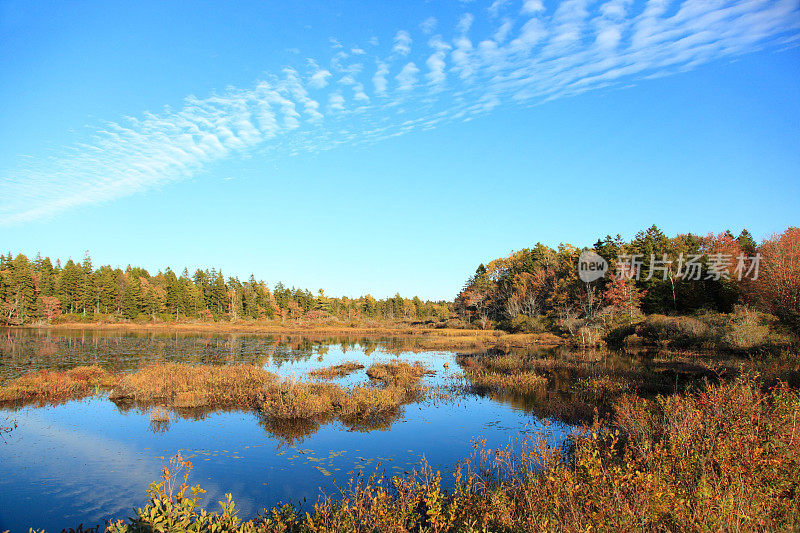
[54, 386]
[368, 403]
[336, 371]
[296, 400]
[744, 330]
[184, 385]
[508, 373]
[398, 373]
[601, 388]
[521, 382]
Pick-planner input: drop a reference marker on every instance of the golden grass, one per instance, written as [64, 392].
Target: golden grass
[520, 382]
[183, 385]
[54, 386]
[295, 400]
[398, 373]
[336, 371]
[370, 402]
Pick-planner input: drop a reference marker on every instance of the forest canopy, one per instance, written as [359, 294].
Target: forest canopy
[41, 290]
[543, 282]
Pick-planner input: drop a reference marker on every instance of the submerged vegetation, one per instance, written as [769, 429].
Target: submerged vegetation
[671, 463]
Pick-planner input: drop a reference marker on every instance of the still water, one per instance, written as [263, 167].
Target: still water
[86, 461]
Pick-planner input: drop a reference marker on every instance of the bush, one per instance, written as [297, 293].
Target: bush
[527, 324]
[679, 331]
[744, 331]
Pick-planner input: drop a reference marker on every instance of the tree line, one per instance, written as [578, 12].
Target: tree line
[41, 290]
[544, 282]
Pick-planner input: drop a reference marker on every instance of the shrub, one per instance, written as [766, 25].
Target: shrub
[680, 331]
[527, 324]
[744, 331]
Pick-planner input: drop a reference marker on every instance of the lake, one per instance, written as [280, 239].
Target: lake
[85, 461]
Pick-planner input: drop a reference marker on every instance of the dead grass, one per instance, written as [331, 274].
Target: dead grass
[299, 400]
[364, 402]
[181, 387]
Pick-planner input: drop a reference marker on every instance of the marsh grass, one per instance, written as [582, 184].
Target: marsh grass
[520, 382]
[336, 371]
[291, 399]
[185, 385]
[55, 386]
[398, 373]
[187, 388]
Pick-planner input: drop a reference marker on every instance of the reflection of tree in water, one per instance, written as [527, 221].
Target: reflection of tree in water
[580, 382]
[290, 431]
[31, 349]
[160, 420]
[373, 423]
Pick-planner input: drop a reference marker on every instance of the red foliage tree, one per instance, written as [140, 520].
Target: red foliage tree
[777, 288]
[622, 293]
[52, 307]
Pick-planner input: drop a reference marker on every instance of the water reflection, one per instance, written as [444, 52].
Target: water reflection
[52, 465]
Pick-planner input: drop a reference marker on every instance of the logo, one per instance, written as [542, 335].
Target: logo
[591, 266]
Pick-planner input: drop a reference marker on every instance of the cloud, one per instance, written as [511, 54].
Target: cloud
[532, 6]
[319, 79]
[527, 58]
[428, 25]
[402, 43]
[464, 23]
[407, 77]
[379, 79]
[496, 7]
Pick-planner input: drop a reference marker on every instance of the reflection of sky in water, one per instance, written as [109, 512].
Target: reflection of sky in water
[85, 461]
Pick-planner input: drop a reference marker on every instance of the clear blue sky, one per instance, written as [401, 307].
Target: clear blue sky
[383, 147]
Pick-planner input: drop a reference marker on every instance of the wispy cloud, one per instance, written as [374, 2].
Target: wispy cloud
[523, 55]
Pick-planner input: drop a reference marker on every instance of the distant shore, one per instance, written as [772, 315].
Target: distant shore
[418, 336]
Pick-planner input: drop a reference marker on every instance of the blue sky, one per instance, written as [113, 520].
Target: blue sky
[383, 147]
